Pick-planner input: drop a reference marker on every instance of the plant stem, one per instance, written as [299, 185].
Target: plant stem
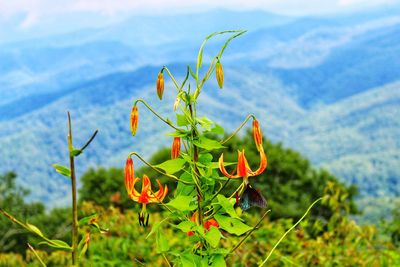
[36, 255]
[238, 129]
[196, 171]
[290, 229]
[248, 233]
[156, 114]
[75, 259]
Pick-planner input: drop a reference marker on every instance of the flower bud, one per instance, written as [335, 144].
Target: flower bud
[134, 120]
[129, 175]
[219, 73]
[176, 147]
[257, 135]
[160, 85]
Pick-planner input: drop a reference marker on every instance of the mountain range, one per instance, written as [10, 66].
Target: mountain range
[326, 86]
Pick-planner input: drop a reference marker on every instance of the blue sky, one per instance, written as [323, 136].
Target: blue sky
[21, 19]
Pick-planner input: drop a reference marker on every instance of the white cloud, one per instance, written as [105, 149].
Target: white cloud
[345, 3]
[34, 10]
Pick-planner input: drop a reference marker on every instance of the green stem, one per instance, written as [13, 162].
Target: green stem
[172, 78]
[156, 114]
[195, 169]
[12, 218]
[288, 231]
[248, 234]
[157, 170]
[36, 255]
[238, 129]
[75, 258]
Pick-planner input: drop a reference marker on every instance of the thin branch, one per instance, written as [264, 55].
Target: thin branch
[238, 129]
[157, 170]
[90, 140]
[290, 229]
[248, 233]
[156, 114]
[172, 78]
[166, 260]
[37, 255]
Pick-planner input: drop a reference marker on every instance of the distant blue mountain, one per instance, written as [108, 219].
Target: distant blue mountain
[328, 87]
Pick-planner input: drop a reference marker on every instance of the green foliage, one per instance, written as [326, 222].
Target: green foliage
[289, 183]
[127, 244]
[13, 238]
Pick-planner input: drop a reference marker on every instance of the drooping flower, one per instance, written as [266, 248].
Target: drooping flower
[160, 85]
[219, 73]
[257, 135]
[176, 147]
[134, 119]
[243, 169]
[146, 196]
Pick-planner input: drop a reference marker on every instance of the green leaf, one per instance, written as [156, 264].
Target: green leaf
[162, 243]
[181, 120]
[227, 205]
[100, 229]
[185, 226]
[192, 73]
[172, 166]
[155, 227]
[217, 129]
[182, 203]
[179, 133]
[218, 261]
[232, 225]
[62, 170]
[213, 236]
[190, 260]
[57, 244]
[86, 220]
[185, 189]
[34, 229]
[205, 159]
[207, 143]
[205, 122]
[76, 152]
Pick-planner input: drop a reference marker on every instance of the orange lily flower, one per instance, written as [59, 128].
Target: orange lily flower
[146, 196]
[243, 168]
[257, 135]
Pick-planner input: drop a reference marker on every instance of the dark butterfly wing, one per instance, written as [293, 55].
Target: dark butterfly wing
[252, 197]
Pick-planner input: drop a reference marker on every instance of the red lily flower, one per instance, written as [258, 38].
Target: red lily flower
[243, 168]
[146, 196]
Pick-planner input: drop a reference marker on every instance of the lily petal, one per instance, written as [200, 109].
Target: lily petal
[223, 170]
[133, 194]
[263, 164]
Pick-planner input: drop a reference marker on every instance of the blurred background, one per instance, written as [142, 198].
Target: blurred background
[323, 77]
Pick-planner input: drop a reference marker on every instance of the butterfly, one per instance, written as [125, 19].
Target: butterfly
[251, 197]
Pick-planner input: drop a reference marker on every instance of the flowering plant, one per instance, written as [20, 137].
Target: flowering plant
[198, 206]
